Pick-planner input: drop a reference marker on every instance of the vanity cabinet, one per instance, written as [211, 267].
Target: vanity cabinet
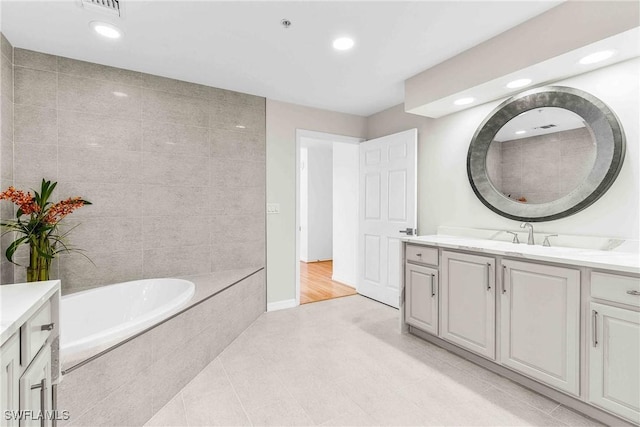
[540, 322]
[552, 321]
[421, 288]
[467, 301]
[9, 375]
[35, 389]
[421, 306]
[614, 344]
[29, 333]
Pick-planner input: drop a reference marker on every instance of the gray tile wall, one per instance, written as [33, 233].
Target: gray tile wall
[127, 385]
[542, 168]
[6, 147]
[175, 170]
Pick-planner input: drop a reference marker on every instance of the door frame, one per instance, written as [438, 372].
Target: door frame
[329, 137]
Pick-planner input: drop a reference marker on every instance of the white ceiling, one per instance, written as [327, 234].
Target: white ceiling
[241, 45]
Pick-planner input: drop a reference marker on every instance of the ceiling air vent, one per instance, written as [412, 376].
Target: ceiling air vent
[106, 6]
[546, 126]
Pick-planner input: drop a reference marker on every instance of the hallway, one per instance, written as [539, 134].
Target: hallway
[316, 283]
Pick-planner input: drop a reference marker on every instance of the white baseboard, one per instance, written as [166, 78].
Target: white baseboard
[281, 305]
[343, 281]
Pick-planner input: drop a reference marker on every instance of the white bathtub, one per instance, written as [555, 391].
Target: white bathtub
[94, 320]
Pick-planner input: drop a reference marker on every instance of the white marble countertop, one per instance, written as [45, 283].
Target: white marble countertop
[19, 302]
[628, 262]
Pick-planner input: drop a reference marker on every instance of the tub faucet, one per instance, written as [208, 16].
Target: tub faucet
[530, 240]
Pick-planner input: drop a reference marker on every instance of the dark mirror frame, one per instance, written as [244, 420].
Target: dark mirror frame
[610, 152]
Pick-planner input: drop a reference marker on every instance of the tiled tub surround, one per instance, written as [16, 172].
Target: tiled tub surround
[6, 146]
[175, 170]
[128, 384]
[100, 318]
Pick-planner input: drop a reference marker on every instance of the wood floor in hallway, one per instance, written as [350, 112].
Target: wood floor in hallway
[316, 283]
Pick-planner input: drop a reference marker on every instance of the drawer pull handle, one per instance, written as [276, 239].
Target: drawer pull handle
[48, 327]
[634, 292]
[419, 255]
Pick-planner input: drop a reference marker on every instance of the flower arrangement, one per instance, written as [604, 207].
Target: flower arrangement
[40, 227]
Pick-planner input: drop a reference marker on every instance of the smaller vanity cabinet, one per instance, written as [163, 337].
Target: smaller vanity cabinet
[421, 288]
[614, 344]
[468, 302]
[9, 377]
[540, 322]
[30, 314]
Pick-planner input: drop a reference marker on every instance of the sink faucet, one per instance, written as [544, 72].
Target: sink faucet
[530, 240]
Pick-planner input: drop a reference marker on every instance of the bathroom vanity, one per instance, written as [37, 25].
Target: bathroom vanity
[568, 319]
[29, 336]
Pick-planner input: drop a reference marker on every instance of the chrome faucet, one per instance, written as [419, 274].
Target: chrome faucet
[530, 240]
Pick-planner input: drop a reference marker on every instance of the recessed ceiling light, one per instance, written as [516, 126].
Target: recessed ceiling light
[106, 30]
[464, 101]
[241, 126]
[120, 94]
[518, 83]
[520, 132]
[343, 43]
[597, 57]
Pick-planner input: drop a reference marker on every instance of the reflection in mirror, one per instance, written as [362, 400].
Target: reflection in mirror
[541, 155]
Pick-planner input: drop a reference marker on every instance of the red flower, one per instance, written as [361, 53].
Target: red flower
[25, 201]
[62, 209]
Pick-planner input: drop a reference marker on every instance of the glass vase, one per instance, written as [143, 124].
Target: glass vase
[39, 265]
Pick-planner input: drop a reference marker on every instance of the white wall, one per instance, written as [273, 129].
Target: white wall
[316, 218]
[346, 159]
[445, 196]
[282, 121]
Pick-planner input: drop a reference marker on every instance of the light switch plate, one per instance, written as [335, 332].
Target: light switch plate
[273, 208]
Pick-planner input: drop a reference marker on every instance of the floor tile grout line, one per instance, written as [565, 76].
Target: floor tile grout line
[507, 391]
[184, 408]
[233, 387]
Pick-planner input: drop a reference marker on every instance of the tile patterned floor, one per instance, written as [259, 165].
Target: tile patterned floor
[342, 362]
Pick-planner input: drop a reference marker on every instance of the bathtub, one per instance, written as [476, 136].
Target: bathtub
[94, 320]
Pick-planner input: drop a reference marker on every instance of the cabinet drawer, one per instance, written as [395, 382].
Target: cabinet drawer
[422, 255]
[611, 287]
[34, 333]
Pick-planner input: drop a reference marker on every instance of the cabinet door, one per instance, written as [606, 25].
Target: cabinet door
[540, 323]
[9, 376]
[421, 305]
[614, 355]
[468, 302]
[35, 388]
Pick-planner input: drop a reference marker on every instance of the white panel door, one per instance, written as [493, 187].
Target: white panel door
[540, 322]
[468, 302]
[614, 360]
[387, 206]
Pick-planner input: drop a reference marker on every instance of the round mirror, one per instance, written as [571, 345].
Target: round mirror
[545, 154]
